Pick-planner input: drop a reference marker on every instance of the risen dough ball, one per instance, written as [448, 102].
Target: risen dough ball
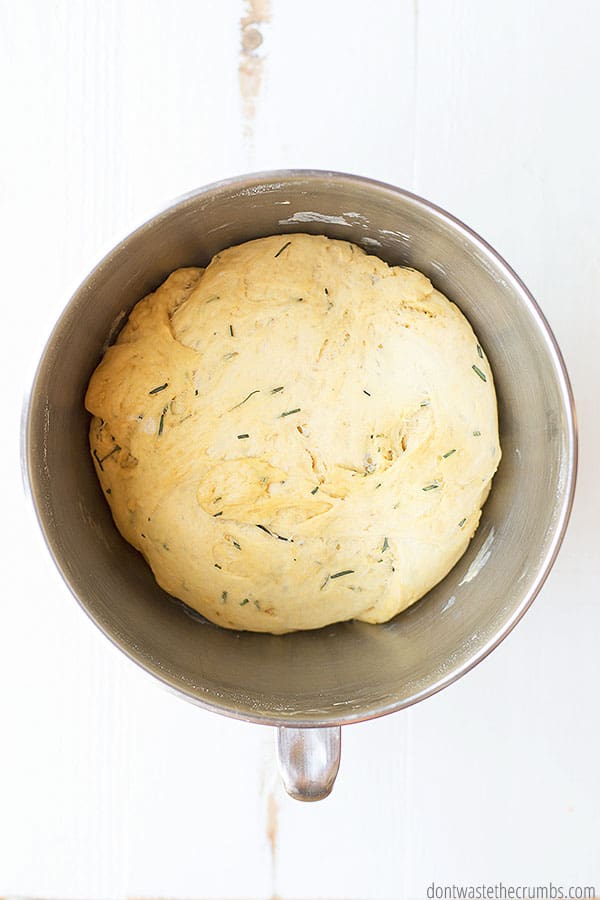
[296, 435]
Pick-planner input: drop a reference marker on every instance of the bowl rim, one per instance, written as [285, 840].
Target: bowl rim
[246, 182]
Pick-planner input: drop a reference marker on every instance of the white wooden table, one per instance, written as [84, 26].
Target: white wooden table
[109, 786]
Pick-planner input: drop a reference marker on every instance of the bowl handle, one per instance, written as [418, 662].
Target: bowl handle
[309, 759]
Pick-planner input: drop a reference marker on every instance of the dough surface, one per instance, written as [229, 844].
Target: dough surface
[296, 435]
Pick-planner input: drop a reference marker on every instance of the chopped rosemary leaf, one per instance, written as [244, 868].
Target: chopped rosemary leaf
[343, 572]
[244, 601]
[476, 434]
[236, 545]
[324, 583]
[196, 392]
[378, 485]
[98, 460]
[231, 330]
[280, 251]
[366, 392]
[217, 566]
[449, 453]
[231, 355]
[326, 291]
[290, 412]
[431, 487]
[162, 421]
[385, 545]
[158, 389]
[241, 437]
[315, 489]
[224, 597]
[479, 352]
[216, 515]
[216, 500]
[274, 534]
[478, 371]
[257, 604]
[214, 297]
[108, 491]
[424, 403]
[244, 400]
[461, 523]
[277, 389]
[115, 449]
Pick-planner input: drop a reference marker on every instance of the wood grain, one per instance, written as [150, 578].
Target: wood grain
[109, 786]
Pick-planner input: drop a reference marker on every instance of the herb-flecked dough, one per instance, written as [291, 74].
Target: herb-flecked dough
[296, 435]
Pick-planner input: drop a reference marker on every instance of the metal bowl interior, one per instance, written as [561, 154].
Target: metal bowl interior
[350, 671]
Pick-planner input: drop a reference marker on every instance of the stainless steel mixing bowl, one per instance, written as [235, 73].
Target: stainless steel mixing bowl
[310, 683]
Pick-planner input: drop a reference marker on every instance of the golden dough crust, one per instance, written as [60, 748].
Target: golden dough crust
[297, 435]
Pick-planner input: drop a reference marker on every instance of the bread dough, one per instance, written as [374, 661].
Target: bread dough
[297, 435]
